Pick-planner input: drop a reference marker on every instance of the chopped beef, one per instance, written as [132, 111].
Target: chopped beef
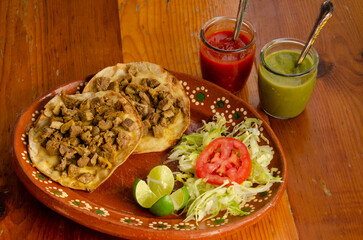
[70, 100]
[66, 126]
[158, 131]
[122, 139]
[83, 161]
[66, 151]
[86, 178]
[71, 113]
[95, 131]
[129, 90]
[47, 132]
[95, 102]
[146, 126]
[154, 118]
[164, 122]
[62, 165]
[85, 105]
[102, 83]
[107, 101]
[117, 121]
[102, 109]
[145, 99]
[56, 110]
[168, 114]
[97, 140]
[57, 136]
[128, 124]
[87, 128]
[96, 119]
[74, 141]
[165, 103]
[86, 137]
[154, 96]
[73, 170]
[107, 147]
[103, 162]
[56, 124]
[124, 83]
[93, 160]
[52, 146]
[151, 82]
[111, 114]
[181, 104]
[105, 125]
[87, 115]
[163, 92]
[82, 151]
[75, 131]
[109, 137]
[142, 109]
[114, 86]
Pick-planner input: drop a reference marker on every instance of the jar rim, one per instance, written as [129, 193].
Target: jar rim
[311, 51]
[216, 19]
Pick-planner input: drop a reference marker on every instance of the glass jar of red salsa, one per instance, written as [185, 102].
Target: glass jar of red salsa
[226, 62]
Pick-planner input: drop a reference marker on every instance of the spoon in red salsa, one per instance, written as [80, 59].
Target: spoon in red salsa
[240, 15]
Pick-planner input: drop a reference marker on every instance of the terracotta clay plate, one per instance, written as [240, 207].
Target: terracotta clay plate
[111, 208]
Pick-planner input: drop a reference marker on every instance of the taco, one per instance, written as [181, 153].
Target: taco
[158, 97]
[79, 140]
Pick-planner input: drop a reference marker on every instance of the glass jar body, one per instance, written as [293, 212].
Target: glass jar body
[285, 89]
[228, 66]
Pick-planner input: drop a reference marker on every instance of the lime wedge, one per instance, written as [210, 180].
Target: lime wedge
[163, 207]
[142, 194]
[180, 198]
[160, 180]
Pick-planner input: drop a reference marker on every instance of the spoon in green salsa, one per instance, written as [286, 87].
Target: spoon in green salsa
[326, 11]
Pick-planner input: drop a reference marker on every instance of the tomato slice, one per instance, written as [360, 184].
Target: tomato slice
[223, 159]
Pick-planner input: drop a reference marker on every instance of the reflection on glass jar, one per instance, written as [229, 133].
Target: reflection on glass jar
[285, 88]
[226, 62]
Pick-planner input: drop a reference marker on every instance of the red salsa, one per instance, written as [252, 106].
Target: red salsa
[229, 70]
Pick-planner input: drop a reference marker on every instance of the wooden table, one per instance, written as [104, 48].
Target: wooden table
[44, 44]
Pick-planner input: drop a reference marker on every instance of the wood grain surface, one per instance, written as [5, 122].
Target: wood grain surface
[44, 44]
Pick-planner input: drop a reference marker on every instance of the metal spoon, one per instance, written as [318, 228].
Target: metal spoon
[326, 11]
[240, 15]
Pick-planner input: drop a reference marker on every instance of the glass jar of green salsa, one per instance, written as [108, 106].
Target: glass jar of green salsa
[285, 88]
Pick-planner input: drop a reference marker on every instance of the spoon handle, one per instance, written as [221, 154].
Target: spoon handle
[240, 15]
[326, 11]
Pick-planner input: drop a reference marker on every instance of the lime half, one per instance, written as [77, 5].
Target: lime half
[160, 180]
[180, 198]
[142, 194]
[163, 207]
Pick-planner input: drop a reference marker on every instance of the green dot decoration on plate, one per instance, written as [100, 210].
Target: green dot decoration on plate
[220, 104]
[246, 209]
[200, 97]
[56, 192]
[219, 221]
[40, 176]
[76, 203]
[237, 115]
[262, 194]
[99, 212]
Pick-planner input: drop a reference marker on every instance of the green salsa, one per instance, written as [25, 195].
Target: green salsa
[286, 94]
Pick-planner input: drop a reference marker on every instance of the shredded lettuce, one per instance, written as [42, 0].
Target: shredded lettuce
[207, 200]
